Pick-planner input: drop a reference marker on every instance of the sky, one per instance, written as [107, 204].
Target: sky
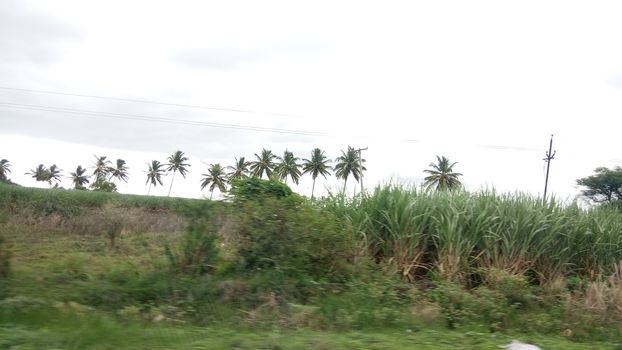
[484, 83]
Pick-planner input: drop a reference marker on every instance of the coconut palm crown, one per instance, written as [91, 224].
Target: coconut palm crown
[317, 165]
[288, 166]
[442, 176]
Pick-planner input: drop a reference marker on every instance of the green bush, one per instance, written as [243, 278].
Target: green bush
[375, 301]
[291, 238]
[254, 188]
[197, 254]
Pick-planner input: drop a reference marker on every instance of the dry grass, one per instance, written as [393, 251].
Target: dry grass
[94, 221]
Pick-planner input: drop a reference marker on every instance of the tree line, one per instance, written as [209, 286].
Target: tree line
[106, 173]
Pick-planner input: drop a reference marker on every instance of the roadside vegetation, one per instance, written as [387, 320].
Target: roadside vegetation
[432, 269]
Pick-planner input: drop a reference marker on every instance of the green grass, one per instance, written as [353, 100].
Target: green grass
[90, 332]
[73, 202]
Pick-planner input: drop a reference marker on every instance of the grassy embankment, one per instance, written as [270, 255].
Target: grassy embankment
[395, 270]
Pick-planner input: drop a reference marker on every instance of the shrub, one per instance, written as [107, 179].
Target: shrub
[377, 301]
[291, 238]
[514, 288]
[254, 188]
[198, 253]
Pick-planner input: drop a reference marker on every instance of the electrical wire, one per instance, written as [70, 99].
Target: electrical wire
[48, 92]
[125, 116]
[149, 118]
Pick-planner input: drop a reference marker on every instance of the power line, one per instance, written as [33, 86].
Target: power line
[82, 112]
[150, 118]
[148, 102]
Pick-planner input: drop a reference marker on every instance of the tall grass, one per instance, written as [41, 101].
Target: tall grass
[459, 235]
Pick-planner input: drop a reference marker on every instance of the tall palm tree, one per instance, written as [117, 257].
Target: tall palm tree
[215, 177]
[54, 175]
[154, 174]
[349, 163]
[239, 170]
[78, 179]
[103, 167]
[317, 165]
[119, 172]
[264, 163]
[40, 173]
[288, 166]
[442, 176]
[175, 164]
[4, 170]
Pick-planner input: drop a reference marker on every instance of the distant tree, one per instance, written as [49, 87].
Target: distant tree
[349, 163]
[605, 186]
[288, 166]
[4, 170]
[442, 176]
[103, 185]
[119, 172]
[317, 165]
[103, 167]
[215, 177]
[175, 164]
[239, 170]
[54, 175]
[40, 173]
[78, 178]
[155, 172]
[264, 163]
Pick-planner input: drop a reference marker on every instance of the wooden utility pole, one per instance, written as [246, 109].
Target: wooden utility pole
[548, 159]
[361, 166]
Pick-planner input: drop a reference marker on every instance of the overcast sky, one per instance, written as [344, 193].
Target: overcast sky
[484, 83]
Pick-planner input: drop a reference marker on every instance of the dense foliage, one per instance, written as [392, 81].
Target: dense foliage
[604, 186]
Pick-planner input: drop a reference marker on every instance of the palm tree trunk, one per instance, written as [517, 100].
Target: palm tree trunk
[149, 189]
[312, 188]
[345, 181]
[170, 187]
[211, 194]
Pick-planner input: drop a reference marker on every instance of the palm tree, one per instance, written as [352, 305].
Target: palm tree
[154, 174]
[103, 167]
[264, 163]
[348, 163]
[120, 172]
[78, 178]
[216, 177]
[40, 173]
[442, 176]
[239, 171]
[317, 165]
[54, 175]
[288, 166]
[176, 163]
[4, 170]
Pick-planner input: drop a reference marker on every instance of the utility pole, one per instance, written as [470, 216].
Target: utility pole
[361, 166]
[548, 159]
